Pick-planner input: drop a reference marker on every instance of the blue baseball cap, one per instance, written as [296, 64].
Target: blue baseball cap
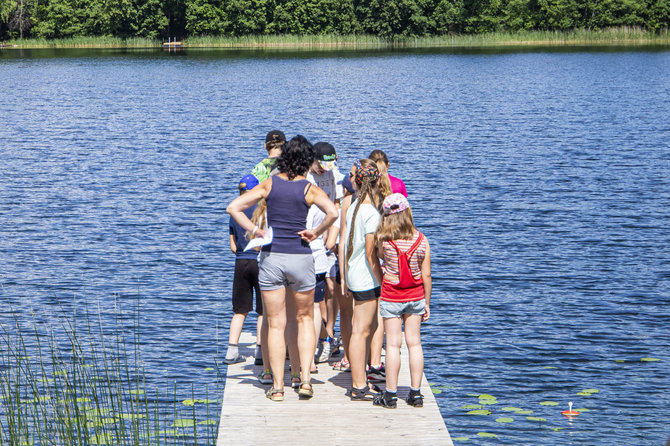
[248, 182]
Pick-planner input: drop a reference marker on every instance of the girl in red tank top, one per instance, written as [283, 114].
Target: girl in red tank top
[405, 295]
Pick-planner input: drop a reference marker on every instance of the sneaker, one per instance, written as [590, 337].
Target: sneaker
[325, 352]
[235, 360]
[265, 377]
[335, 347]
[415, 398]
[376, 374]
[319, 350]
[386, 399]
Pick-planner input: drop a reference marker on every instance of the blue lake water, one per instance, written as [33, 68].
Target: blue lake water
[541, 179]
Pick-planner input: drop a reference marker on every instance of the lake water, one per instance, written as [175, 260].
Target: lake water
[541, 179]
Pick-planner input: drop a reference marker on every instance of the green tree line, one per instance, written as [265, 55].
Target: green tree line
[385, 18]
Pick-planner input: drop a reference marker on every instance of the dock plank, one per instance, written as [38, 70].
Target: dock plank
[330, 418]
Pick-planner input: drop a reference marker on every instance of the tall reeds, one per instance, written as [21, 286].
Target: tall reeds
[608, 36]
[60, 386]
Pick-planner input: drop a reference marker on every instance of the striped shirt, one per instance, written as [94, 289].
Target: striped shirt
[390, 257]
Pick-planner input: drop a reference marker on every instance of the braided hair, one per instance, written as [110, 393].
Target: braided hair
[367, 180]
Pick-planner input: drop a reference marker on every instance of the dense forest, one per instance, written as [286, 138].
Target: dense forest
[385, 18]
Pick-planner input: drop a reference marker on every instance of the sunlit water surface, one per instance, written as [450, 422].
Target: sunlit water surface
[541, 179]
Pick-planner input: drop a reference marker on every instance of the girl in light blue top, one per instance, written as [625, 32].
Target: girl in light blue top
[363, 274]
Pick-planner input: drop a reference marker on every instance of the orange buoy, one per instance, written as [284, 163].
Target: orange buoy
[570, 412]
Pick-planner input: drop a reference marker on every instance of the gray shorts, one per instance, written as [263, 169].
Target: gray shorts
[397, 309]
[278, 270]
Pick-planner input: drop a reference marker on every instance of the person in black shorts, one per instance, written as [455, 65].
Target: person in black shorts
[245, 283]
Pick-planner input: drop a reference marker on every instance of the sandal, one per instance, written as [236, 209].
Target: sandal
[295, 381]
[305, 393]
[360, 394]
[275, 394]
[265, 377]
[386, 399]
[342, 365]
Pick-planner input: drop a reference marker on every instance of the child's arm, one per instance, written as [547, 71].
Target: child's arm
[427, 280]
[343, 241]
[233, 246]
[371, 256]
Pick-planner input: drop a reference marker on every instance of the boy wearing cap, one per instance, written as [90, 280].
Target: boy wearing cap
[245, 282]
[325, 174]
[273, 143]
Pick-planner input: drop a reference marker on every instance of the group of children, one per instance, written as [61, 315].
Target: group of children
[371, 264]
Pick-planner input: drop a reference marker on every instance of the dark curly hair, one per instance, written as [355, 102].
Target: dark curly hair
[297, 155]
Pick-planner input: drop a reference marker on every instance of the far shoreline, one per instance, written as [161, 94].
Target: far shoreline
[612, 37]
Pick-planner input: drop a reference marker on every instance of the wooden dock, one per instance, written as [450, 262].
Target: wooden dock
[330, 418]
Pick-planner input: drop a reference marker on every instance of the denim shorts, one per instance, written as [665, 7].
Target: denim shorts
[397, 309]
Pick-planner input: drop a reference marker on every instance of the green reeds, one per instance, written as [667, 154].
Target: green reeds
[86, 42]
[601, 37]
[62, 387]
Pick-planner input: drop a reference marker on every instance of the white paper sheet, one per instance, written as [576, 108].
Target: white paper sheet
[255, 243]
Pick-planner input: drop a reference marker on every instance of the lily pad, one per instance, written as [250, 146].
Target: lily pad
[548, 403]
[487, 435]
[479, 412]
[488, 401]
[131, 416]
[183, 422]
[524, 412]
[587, 392]
[582, 409]
[472, 406]
[460, 438]
[209, 369]
[649, 359]
[550, 367]
[556, 429]
[536, 419]
[207, 422]
[619, 360]
[435, 390]
[504, 420]
[485, 396]
[137, 392]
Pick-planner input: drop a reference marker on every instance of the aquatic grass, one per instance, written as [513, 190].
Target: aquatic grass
[86, 42]
[624, 35]
[57, 389]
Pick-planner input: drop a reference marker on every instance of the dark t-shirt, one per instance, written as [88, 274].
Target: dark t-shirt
[240, 241]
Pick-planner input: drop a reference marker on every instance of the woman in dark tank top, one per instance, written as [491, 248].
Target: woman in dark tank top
[286, 265]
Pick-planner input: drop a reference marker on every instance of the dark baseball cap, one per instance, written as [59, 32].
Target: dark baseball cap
[275, 135]
[325, 155]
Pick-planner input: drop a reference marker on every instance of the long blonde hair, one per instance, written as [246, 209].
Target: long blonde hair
[259, 218]
[398, 226]
[368, 187]
[382, 162]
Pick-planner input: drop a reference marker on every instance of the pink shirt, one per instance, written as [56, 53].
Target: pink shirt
[397, 186]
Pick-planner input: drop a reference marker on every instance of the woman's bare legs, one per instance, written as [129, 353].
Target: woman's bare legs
[364, 323]
[291, 334]
[274, 309]
[304, 303]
